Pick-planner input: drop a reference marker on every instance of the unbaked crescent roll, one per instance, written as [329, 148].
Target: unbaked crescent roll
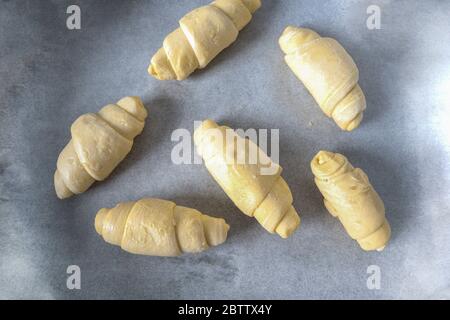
[203, 34]
[159, 228]
[262, 194]
[349, 196]
[328, 72]
[100, 141]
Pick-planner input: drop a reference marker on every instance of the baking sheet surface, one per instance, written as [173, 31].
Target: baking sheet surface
[49, 75]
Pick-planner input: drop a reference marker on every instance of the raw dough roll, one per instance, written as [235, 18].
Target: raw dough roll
[100, 141]
[159, 228]
[349, 196]
[328, 72]
[202, 35]
[266, 197]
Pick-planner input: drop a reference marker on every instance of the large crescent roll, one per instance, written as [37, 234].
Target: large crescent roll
[202, 35]
[159, 228]
[328, 72]
[259, 194]
[349, 196]
[100, 141]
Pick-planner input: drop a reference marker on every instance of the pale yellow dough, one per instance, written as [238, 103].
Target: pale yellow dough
[328, 72]
[100, 141]
[349, 196]
[159, 228]
[202, 35]
[266, 197]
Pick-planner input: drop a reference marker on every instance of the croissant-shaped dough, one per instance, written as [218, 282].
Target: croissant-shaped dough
[349, 196]
[203, 34]
[328, 72]
[159, 228]
[266, 197]
[99, 143]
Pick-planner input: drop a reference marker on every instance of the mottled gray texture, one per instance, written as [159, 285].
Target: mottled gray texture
[50, 75]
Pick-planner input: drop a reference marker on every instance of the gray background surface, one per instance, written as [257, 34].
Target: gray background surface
[50, 75]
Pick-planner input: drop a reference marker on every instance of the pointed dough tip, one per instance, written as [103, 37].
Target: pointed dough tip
[99, 218]
[62, 192]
